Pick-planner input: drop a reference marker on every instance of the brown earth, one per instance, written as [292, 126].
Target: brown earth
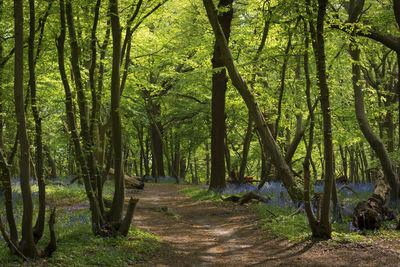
[211, 233]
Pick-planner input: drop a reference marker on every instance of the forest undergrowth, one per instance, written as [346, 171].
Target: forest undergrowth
[76, 244]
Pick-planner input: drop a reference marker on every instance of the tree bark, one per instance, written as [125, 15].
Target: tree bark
[27, 244]
[324, 228]
[219, 86]
[119, 195]
[246, 147]
[39, 226]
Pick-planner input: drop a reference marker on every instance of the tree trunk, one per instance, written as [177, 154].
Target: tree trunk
[207, 164]
[119, 195]
[374, 141]
[50, 161]
[27, 244]
[5, 176]
[219, 85]
[156, 141]
[39, 226]
[268, 141]
[246, 147]
[97, 219]
[343, 155]
[324, 227]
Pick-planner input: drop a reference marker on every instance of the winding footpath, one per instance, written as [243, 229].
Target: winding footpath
[208, 233]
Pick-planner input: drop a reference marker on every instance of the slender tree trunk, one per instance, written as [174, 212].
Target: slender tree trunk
[5, 179]
[207, 164]
[343, 154]
[324, 227]
[5, 175]
[282, 85]
[87, 138]
[119, 195]
[374, 141]
[27, 244]
[50, 161]
[227, 153]
[246, 147]
[97, 219]
[39, 226]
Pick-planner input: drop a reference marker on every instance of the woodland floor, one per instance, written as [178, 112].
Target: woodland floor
[209, 233]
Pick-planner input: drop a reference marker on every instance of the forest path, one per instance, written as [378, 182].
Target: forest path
[209, 233]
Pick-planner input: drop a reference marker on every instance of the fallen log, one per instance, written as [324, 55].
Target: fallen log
[246, 198]
[131, 182]
[370, 214]
[246, 180]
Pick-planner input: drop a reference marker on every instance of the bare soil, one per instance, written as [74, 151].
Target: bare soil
[208, 233]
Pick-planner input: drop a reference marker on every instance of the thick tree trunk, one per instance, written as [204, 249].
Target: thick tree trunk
[268, 141]
[27, 244]
[219, 86]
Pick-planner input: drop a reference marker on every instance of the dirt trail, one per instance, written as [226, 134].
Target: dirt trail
[210, 233]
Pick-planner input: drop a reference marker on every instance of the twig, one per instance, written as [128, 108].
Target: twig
[297, 211]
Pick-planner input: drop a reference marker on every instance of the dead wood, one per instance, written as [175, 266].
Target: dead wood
[369, 214]
[345, 186]
[134, 182]
[246, 180]
[247, 198]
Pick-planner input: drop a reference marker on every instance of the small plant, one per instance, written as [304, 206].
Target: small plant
[168, 212]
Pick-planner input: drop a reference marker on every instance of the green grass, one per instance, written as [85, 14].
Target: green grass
[168, 212]
[76, 244]
[200, 194]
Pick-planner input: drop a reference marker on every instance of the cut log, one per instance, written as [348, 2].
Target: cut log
[131, 182]
[247, 198]
[370, 214]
